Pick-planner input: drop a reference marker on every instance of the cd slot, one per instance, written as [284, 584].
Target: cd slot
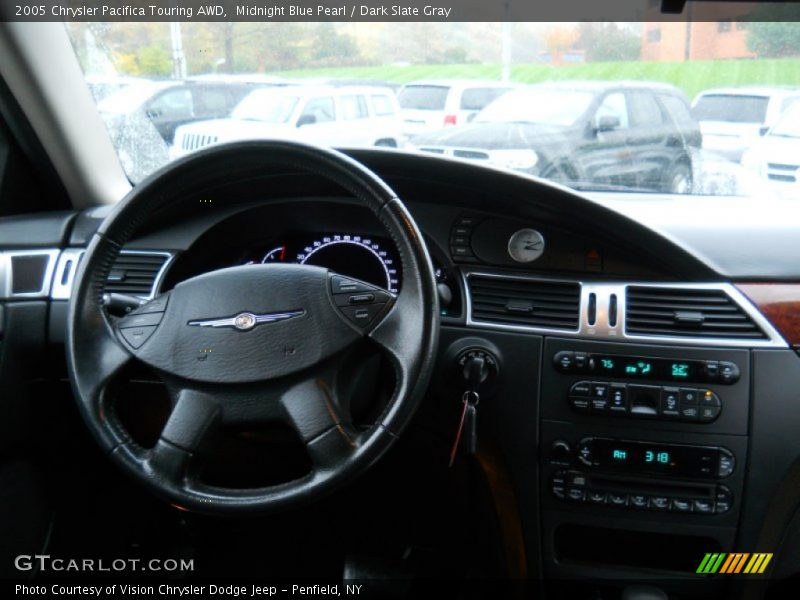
[641, 494]
[653, 487]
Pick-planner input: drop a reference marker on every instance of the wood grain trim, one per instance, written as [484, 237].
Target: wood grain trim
[780, 304]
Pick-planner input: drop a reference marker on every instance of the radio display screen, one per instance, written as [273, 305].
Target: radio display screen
[658, 459]
[639, 367]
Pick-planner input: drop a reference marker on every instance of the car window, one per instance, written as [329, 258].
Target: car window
[789, 124]
[733, 108]
[266, 106]
[645, 111]
[615, 106]
[545, 106]
[322, 109]
[479, 98]
[213, 101]
[353, 107]
[173, 104]
[423, 97]
[787, 102]
[382, 106]
[677, 109]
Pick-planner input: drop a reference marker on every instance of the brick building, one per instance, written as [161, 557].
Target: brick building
[699, 39]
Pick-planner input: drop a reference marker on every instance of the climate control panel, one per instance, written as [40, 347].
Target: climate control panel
[648, 368]
[694, 405]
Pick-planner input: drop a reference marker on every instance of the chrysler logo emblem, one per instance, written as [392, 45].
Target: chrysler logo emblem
[246, 321]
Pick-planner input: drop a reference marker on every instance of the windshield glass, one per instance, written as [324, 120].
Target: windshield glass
[128, 98]
[423, 97]
[550, 107]
[733, 108]
[266, 106]
[658, 107]
[789, 125]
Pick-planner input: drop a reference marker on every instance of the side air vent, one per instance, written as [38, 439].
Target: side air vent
[135, 273]
[527, 302]
[687, 312]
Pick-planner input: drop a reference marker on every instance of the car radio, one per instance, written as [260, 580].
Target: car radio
[649, 458]
[644, 475]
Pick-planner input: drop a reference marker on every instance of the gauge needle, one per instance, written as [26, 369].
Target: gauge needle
[283, 252]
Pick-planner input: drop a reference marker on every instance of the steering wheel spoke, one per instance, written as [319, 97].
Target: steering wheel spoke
[193, 420]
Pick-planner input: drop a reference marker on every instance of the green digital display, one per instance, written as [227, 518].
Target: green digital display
[658, 457]
[619, 454]
[640, 367]
[680, 370]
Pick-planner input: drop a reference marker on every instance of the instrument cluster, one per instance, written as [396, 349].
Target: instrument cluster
[372, 259]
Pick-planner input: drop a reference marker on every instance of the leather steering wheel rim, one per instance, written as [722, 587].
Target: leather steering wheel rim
[406, 331]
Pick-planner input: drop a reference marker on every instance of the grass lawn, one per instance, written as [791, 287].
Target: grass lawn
[691, 77]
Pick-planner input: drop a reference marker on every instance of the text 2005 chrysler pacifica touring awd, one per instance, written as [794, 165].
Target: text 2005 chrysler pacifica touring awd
[270, 367]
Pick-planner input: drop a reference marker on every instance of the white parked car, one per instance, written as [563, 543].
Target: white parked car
[430, 104]
[776, 155]
[732, 119]
[342, 116]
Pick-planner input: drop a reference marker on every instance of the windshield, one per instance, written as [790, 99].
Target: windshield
[129, 98]
[423, 97]
[789, 125]
[266, 106]
[733, 108]
[615, 98]
[550, 107]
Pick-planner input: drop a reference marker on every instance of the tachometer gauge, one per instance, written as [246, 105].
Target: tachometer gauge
[353, 255]
[275, 255]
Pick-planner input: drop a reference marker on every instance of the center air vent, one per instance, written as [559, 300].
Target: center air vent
[135, 273]
[687, 312]
[528, 302]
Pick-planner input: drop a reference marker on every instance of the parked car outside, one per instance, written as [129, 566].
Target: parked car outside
[776, 155]
[610, 134]
[324, 115]
[169, 104]
[103, 86]
[732, 119]
[429, 104]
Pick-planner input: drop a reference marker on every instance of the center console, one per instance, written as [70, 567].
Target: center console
[650, 441]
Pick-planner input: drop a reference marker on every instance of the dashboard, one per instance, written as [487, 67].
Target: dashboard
[639, 382]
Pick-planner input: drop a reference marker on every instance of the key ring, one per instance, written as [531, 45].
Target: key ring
[471, 397]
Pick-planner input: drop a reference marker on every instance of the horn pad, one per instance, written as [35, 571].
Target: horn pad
[240, 325]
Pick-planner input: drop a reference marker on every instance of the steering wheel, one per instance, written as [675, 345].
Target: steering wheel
[249, 344]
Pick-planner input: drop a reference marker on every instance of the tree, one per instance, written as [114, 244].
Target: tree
[608, 42]
[334, 49]
[772, 30]
[559, 39]
[154, 60]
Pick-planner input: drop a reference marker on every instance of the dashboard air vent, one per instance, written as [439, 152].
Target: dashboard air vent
[532, 303]
[687, 312]
[135, 273]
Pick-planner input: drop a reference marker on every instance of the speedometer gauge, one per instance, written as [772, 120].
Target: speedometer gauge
[353, 255]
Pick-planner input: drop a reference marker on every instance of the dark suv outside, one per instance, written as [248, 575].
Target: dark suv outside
[584, 134]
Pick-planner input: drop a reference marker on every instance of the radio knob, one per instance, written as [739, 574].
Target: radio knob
[560, 450]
